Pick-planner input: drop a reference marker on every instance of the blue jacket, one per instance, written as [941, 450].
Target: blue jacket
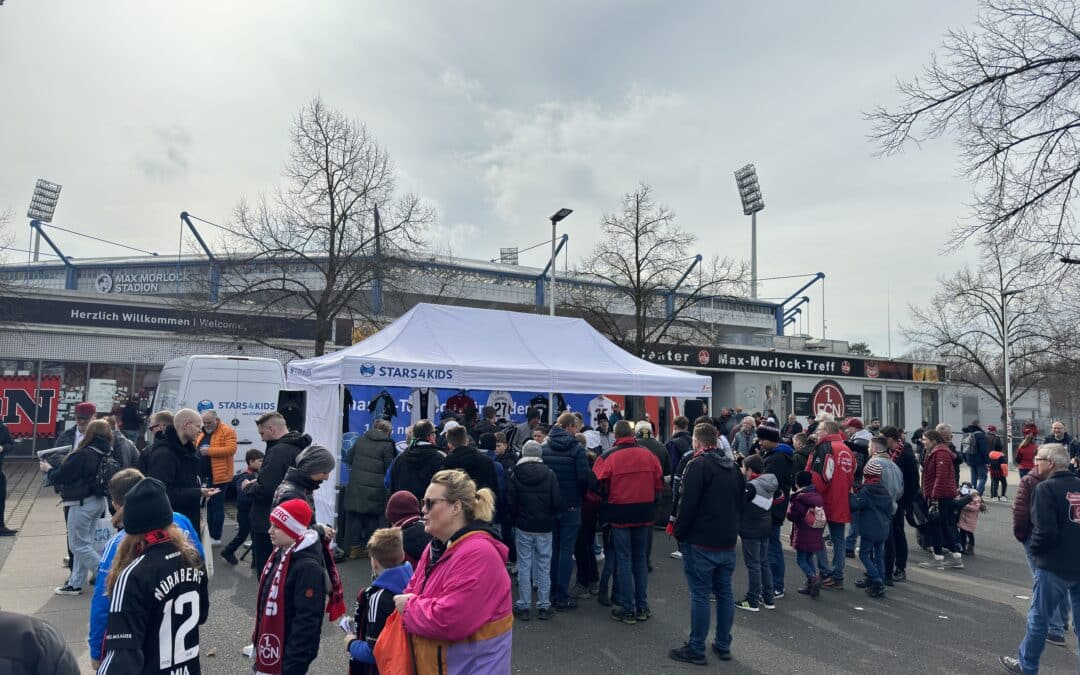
[565, 456]
[875, 507]
[980, 445]
[379, 608]
[99, 604]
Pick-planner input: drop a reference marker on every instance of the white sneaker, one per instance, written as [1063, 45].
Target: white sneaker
[955, 562]
[677, 555]
[936, 562]
[215, 542]
[248, 651]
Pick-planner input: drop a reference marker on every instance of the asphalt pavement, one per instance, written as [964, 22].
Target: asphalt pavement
[955, 621]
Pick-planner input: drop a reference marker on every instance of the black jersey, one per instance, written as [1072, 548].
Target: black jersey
[155, 610]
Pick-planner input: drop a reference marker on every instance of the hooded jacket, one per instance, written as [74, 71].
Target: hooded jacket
[875, 507]
[176, 465]
[567, 459]
[1055, 516]
[479, 466]
[756, 520]
[711, 502]
[413, 469]
[891, 477]
[280, 455]
[803, 537]
[832, 466]
[780, 462]
[369, 459]
[939, 478]
[296, 485]
[460, 620]
[533, 496]
[374, 605]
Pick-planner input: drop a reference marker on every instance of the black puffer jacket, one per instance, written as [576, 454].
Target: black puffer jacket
[533, 497]
[414, 468]
[176, 465]
[306, 585]
[76, 477]
[297, 485]
[779, 462]
[567, 459]
[712, 502]
[280, 455]
[369, 459]
[478, 465]
[33, 647]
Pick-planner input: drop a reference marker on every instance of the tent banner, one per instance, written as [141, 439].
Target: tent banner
[405, 406]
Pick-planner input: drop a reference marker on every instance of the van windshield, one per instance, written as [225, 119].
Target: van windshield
[165, 397]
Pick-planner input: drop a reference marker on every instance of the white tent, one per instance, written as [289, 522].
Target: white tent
[465, 348]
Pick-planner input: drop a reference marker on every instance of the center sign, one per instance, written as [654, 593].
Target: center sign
[828, 398]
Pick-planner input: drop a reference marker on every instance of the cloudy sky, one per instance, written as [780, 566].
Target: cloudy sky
[499, 113]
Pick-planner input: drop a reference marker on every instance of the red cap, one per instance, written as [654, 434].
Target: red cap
[85, 409]
[292, 518]
[991, 427]
[854, 423]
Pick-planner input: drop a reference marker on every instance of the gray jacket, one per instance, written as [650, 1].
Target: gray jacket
[891, 477]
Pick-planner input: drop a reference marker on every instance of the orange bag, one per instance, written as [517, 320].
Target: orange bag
[393, 649]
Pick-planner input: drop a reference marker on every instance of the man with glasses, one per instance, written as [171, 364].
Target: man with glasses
[1059, 435]
[1055, 544]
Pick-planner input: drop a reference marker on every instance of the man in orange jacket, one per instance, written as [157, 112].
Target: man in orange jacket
[217, 448]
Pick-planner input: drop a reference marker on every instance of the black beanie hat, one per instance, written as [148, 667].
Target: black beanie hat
[487, 442]
[803, 478]
[147, 507]
[767, 433]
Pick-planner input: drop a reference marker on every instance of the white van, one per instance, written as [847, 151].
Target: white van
[239, 388]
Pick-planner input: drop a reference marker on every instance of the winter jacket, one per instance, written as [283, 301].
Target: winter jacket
[1071, 444]
[567, 459]
[904, 459]
[780, 463]
[803, 537]
[522, 433]
[99, 603]
[756, 519]
[533, 496]
[800, 458]
[1055, 514]
[969, 514]
[460, 620]
[66, 437]
[657, 448]
[222, 452]
[296, 485]
[243, 499]
[832, 466]
[875, 507]
[678, 445]
[860, 448]
[1025, 456]
[630, 477]
[76, 477]
[304, 599]
[374, 605]
[742, 442]
[891, 477]
[1022, 506]
[475, 463]
[980, 447]
[939, 479]
[712, 500]
[280, 455]
[369, 459]
[33, 647]
[413, 469]
[124, 451]
[790, 430]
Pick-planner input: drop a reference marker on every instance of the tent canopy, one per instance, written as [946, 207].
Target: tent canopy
[467, 348]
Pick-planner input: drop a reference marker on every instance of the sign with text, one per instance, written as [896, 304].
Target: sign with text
[828, 398]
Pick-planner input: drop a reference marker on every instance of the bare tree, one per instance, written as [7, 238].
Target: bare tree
[860, 349]
[965, 323]
[641, 256]
[1008, 93]
[315, 246]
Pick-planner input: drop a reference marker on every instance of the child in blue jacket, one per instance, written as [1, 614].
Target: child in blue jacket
[874, 506]
[375, 603]
[121, 482]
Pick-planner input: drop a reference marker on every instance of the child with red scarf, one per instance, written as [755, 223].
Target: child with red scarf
[292, 593]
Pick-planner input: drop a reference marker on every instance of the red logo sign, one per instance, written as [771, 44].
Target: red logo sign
[828, 399]
[1074, 506]
[21, 410]
[703, 357]
[845, 367]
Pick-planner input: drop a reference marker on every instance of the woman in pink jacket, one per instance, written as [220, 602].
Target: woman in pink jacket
[457, 608]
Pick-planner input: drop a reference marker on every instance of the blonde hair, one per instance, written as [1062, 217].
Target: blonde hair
[643, 428]
[476, 504]
[386, 547]
[94, 430]
[131, 546]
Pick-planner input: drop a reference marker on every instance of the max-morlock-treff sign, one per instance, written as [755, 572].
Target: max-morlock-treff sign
[725, 358]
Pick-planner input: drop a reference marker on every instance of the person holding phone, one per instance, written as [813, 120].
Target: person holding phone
[174, 461]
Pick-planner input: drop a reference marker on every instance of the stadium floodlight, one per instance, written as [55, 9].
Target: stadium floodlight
[750, 193]
[508, 256]
[43, 203]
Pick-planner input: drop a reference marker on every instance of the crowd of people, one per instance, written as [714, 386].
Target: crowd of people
[467, 511]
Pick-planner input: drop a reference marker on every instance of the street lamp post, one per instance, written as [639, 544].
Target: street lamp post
[42, 207]
[1005, 295]
[559, 215]
[752, 202]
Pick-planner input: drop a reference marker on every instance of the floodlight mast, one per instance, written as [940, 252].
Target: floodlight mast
[43, 207]
[750, 193]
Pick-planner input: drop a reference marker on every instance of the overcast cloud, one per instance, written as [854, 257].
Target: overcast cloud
[499, 114]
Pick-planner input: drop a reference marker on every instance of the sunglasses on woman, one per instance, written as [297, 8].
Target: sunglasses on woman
[429, 504]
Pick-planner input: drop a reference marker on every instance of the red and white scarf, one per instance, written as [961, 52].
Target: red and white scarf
[269, 635]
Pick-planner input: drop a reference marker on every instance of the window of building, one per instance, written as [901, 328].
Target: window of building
[930, 407]
[871, 403]
[895, 408]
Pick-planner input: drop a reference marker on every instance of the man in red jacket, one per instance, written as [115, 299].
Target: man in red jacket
[631, 478]
[832, 467]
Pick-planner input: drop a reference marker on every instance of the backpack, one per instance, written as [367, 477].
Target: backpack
[106, 469]
[968, 448]
[815, 518]
[817, 458]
